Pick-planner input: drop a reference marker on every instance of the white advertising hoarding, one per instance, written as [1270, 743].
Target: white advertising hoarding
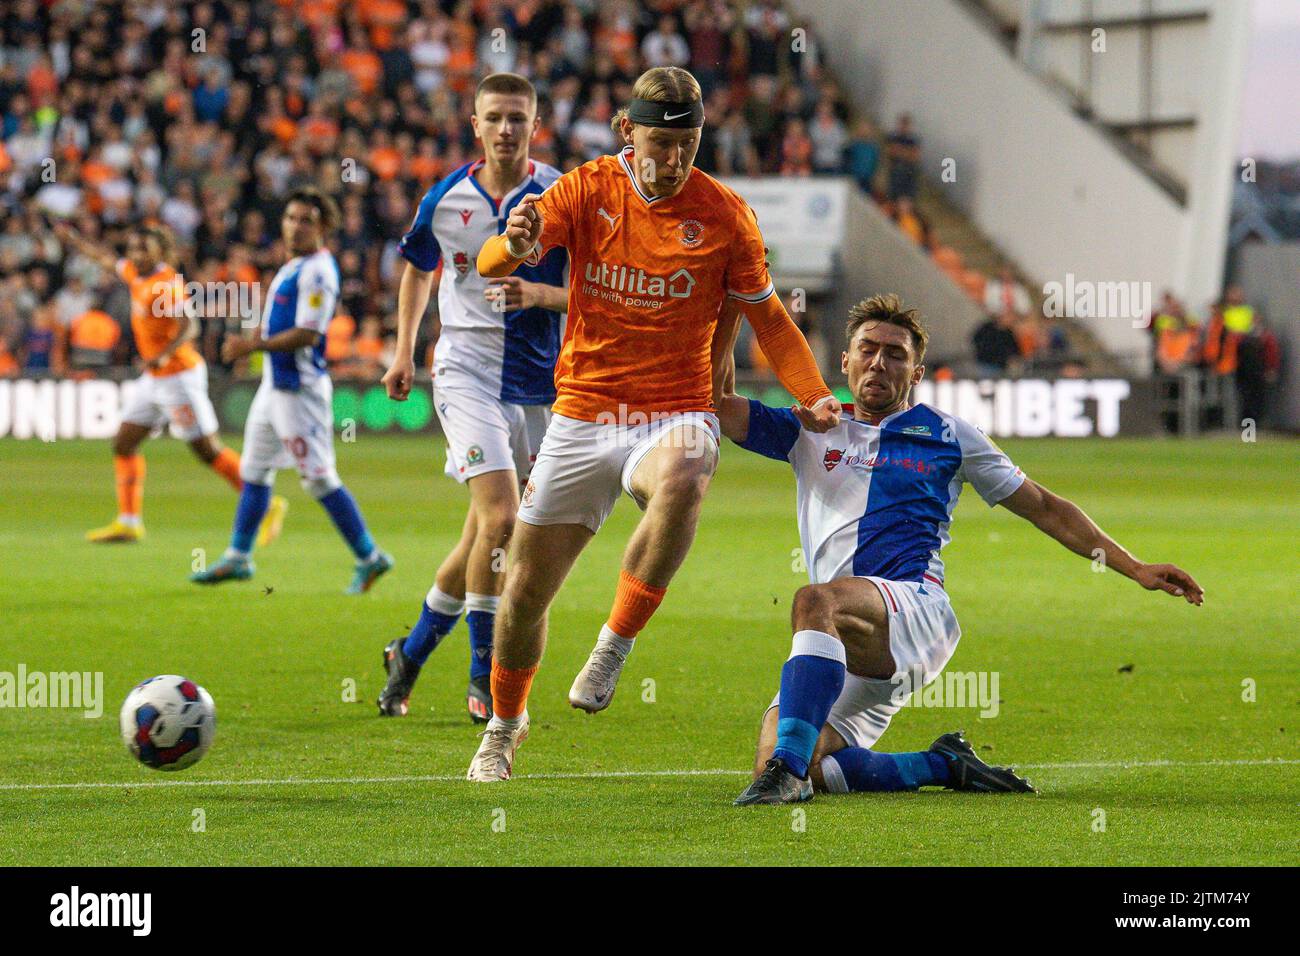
[802, 222]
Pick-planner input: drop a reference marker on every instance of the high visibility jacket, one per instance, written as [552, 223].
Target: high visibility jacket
[1239, 319]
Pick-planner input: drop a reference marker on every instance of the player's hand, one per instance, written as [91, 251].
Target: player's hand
[512, 293]
[399, 378]
[822, 417]
[1172, 580]
[233, 349]
[524, 227]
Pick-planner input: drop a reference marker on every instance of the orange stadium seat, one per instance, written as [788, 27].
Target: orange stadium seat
[972, 283]
[947, 258]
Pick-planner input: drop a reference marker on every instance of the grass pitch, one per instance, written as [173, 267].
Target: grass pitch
[1167, 754]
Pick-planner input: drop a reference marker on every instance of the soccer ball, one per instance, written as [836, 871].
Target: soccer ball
[168, 722]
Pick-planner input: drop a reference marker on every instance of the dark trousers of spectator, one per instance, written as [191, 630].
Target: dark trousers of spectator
[1251, 391]
[902, 180]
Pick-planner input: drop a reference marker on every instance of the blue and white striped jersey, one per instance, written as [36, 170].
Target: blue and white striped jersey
[510, 354]
[878, 499]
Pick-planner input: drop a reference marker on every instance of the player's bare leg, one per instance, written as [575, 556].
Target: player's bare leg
[128, 526]
[450, 577]
[672, 480]
[540, 558]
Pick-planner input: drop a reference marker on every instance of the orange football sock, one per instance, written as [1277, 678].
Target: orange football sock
[226, 465]
[510, 690]
[130, 484]
[634, 604]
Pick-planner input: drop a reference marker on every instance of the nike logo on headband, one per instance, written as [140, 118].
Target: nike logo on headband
[673, 116]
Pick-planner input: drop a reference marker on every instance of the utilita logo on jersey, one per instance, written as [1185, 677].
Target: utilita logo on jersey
[628, 285]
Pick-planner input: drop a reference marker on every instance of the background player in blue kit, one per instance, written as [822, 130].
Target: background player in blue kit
[291, 420]
[875, 500]
[494, 374]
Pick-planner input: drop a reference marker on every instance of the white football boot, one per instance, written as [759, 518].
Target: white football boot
[496, 752]
[594, 686]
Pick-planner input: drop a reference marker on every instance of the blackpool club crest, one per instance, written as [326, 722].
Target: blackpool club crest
[690, 231]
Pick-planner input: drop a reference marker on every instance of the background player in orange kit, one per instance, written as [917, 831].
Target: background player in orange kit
[174, 387]
[655, 247]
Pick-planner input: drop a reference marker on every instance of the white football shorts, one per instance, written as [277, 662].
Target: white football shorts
[486, 434]
[290, 429]
[179, 400]
[584, 466]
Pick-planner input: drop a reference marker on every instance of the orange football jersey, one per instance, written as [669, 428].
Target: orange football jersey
[156, 300]
[647, 279]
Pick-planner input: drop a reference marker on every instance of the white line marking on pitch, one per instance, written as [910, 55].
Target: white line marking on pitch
[597, 775]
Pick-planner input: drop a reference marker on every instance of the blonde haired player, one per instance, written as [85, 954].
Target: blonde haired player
[655, 247]
[174, 387]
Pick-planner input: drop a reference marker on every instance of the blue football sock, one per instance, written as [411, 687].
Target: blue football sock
[253, 502]
[858, 770]
[345, 514]
[810, 681]
[428, 633]
[481, 618]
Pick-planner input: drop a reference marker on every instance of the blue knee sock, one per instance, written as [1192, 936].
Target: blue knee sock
[858, 770]
[253, 502]
[438, 615]
[810, 681]
[481, 618]
[343, 511]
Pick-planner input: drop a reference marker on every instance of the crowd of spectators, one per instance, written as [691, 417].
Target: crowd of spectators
[1234, 345]
[204, 115]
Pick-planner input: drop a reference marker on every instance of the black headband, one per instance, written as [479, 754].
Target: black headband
[671, 115]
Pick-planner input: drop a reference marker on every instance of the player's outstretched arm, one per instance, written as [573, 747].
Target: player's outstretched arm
[794, 364]
[412, 299]
[91, 250]
[1066, 522]
[733, 411]
[512, 292]
[290, 340]
[501, 255]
